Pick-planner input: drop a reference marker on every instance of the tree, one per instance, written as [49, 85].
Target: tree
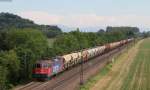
[50, 31]
[101, 31]
[146, 34]
[19, 51]
[127, 32]
[65, 44]
[27, 59]
[3, 78]
[9, 21]
[82, 39]
[29, 38]
[3, 35]
[11, 65]
[30, 45]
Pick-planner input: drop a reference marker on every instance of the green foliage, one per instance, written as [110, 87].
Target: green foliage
[146, 34]
[3, 78]
[30, 45]
[2, 40]
[51, 41]
[20, 50]
[81, 38]
[50, 31]
[76, 40]
[28, 38]
[27, 58]
[66, 44]
[9, 21]
[10, 64]
[127, 31]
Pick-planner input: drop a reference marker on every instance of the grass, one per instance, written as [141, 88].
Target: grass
[51, 41]
[94, 79]
[138, 77]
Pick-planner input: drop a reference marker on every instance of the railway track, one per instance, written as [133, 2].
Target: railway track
[69, 79]
[86, 71]
[30, 86]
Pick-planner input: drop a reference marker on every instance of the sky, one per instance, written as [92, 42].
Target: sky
[82, 13]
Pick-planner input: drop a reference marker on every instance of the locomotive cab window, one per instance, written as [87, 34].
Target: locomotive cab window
[38, 65]
[45, 65]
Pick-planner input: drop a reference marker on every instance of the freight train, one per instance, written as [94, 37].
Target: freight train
[46, 69]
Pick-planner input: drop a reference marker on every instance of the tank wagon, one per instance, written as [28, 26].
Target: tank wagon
[46, 69]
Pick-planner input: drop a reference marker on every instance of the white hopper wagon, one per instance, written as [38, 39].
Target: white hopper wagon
[68, 60]
[75, 57]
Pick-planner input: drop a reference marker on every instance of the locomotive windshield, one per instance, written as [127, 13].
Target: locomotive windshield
[38, 65]
[42, 65]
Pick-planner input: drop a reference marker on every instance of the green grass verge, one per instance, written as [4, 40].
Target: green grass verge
[94, 79]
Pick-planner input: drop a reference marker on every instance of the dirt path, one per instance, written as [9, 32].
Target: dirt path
[114, 79]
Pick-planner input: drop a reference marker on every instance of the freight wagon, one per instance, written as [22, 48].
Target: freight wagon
[45, 69]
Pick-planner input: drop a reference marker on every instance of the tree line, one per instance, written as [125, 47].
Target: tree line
[9, 21]
[145, 34]
[76, 40]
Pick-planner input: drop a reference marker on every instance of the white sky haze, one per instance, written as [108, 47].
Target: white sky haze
[82, 13]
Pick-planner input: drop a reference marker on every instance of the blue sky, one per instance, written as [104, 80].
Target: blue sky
[82, 13]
